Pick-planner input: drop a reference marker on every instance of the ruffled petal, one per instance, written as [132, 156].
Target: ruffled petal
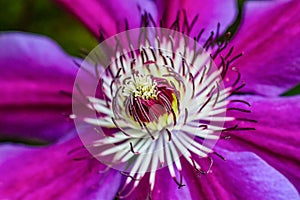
[276, 138]
[270, 42]
[56, 172]
[242, 176]
[33, 73]
[109, 17]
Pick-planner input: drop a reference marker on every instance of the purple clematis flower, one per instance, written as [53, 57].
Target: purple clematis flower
[260, 164]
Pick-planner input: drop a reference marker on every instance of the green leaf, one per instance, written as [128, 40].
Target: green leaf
[293, 91]
[232, 29]
[46, 18]
[31, 142]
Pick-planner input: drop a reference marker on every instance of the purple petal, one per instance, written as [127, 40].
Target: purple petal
[54, 173]
[165, 187]
[33, 72]
[109, 17]
[270, 41]
[210, 13]
[242, 176]
[142, 191]
[276, 138]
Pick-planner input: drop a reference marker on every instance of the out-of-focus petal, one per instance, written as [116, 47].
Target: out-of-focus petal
[33, 72]
[210, 13]
[109, 17]
[276, 138]
[11, 151]
[242, 176]
[55, 173]
[270, 42]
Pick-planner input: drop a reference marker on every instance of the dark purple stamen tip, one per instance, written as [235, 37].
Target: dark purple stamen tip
[179, 183]
[169, 134]
[132, 149]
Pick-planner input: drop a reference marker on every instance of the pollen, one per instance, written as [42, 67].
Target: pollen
[148, 99]
[144, 87]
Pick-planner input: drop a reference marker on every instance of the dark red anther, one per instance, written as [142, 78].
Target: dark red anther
[169, 134]
[145, 110]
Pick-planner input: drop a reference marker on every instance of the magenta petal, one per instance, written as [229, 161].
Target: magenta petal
[277, 135]
[54, 173]
[33, 72]
[210, 13]
[166, 188]
[109, 17]
[270, 41]
[242, 176]
[12, 151]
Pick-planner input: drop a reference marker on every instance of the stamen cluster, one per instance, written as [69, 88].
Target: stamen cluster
[164, 96]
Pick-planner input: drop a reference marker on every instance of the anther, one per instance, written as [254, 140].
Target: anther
[238, 88]
[205, 103]
[236, 57]
[229, 53]
[218, 94]
[129, 176]
[132, 150]
[219, 155]
[193, 84]
[118, 127]
[190, 26]
[179, 183]
[247, 120]
[169, 134]
[203, 126]
[236, 128]
[237, 79]
[241, 101]
[148, 131]
[240, 109]
[185, 115]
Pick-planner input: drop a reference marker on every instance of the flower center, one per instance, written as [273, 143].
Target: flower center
[164, 97]
[149, 98]
[143, 87]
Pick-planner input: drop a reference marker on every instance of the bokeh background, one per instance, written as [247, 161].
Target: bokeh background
[46, 18]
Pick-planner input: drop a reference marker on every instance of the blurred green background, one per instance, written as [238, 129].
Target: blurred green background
[46, 18]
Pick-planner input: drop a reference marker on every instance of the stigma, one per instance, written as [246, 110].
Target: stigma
[141, 86]
[149, 98]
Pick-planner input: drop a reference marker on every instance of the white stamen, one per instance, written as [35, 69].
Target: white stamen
[148, 137]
